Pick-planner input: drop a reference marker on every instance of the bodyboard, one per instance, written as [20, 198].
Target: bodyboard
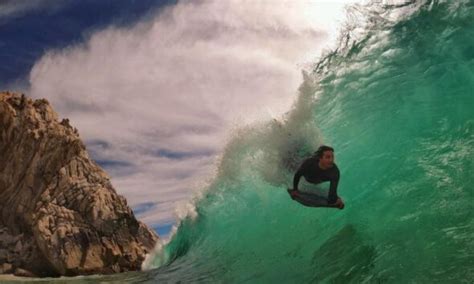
[311, 200]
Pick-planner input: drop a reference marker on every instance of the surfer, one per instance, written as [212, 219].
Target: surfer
[317, 169]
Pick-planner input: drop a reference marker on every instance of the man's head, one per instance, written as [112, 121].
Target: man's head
[325, 154]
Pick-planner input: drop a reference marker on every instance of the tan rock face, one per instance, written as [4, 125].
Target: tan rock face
[57, 201]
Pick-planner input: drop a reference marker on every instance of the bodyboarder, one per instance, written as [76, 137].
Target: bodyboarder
[317, 169]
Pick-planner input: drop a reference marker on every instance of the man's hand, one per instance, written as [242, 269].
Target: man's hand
[293, 193]
[339, 203]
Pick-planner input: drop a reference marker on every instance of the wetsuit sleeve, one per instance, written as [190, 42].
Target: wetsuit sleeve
[296, 179]
[299, 173]
[332, 196]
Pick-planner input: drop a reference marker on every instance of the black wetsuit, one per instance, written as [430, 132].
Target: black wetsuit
[314, 174]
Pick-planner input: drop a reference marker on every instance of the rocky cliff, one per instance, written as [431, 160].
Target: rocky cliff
[59, 214]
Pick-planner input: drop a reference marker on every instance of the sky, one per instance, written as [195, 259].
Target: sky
[156, 88]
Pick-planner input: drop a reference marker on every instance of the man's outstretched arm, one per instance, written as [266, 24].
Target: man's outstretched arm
[296, 179]
[332, 196]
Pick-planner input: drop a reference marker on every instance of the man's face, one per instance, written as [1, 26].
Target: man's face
[327, 160]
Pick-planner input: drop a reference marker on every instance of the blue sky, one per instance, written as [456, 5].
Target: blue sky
[31, 30]
[157, 88]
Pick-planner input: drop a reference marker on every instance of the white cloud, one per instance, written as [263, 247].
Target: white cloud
[179, 83]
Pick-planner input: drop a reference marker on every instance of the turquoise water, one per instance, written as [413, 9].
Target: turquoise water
[396, 101]
[397, 104]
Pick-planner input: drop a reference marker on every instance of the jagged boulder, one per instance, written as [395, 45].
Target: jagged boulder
[59, 214]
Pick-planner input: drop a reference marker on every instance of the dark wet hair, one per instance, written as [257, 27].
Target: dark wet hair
[321, 150]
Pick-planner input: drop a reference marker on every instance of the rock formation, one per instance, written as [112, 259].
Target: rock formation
[59, 214]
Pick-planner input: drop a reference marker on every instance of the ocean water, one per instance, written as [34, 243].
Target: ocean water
[396, 101]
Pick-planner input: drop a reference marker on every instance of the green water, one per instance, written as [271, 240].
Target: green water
[396, 101]
[397, 104]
